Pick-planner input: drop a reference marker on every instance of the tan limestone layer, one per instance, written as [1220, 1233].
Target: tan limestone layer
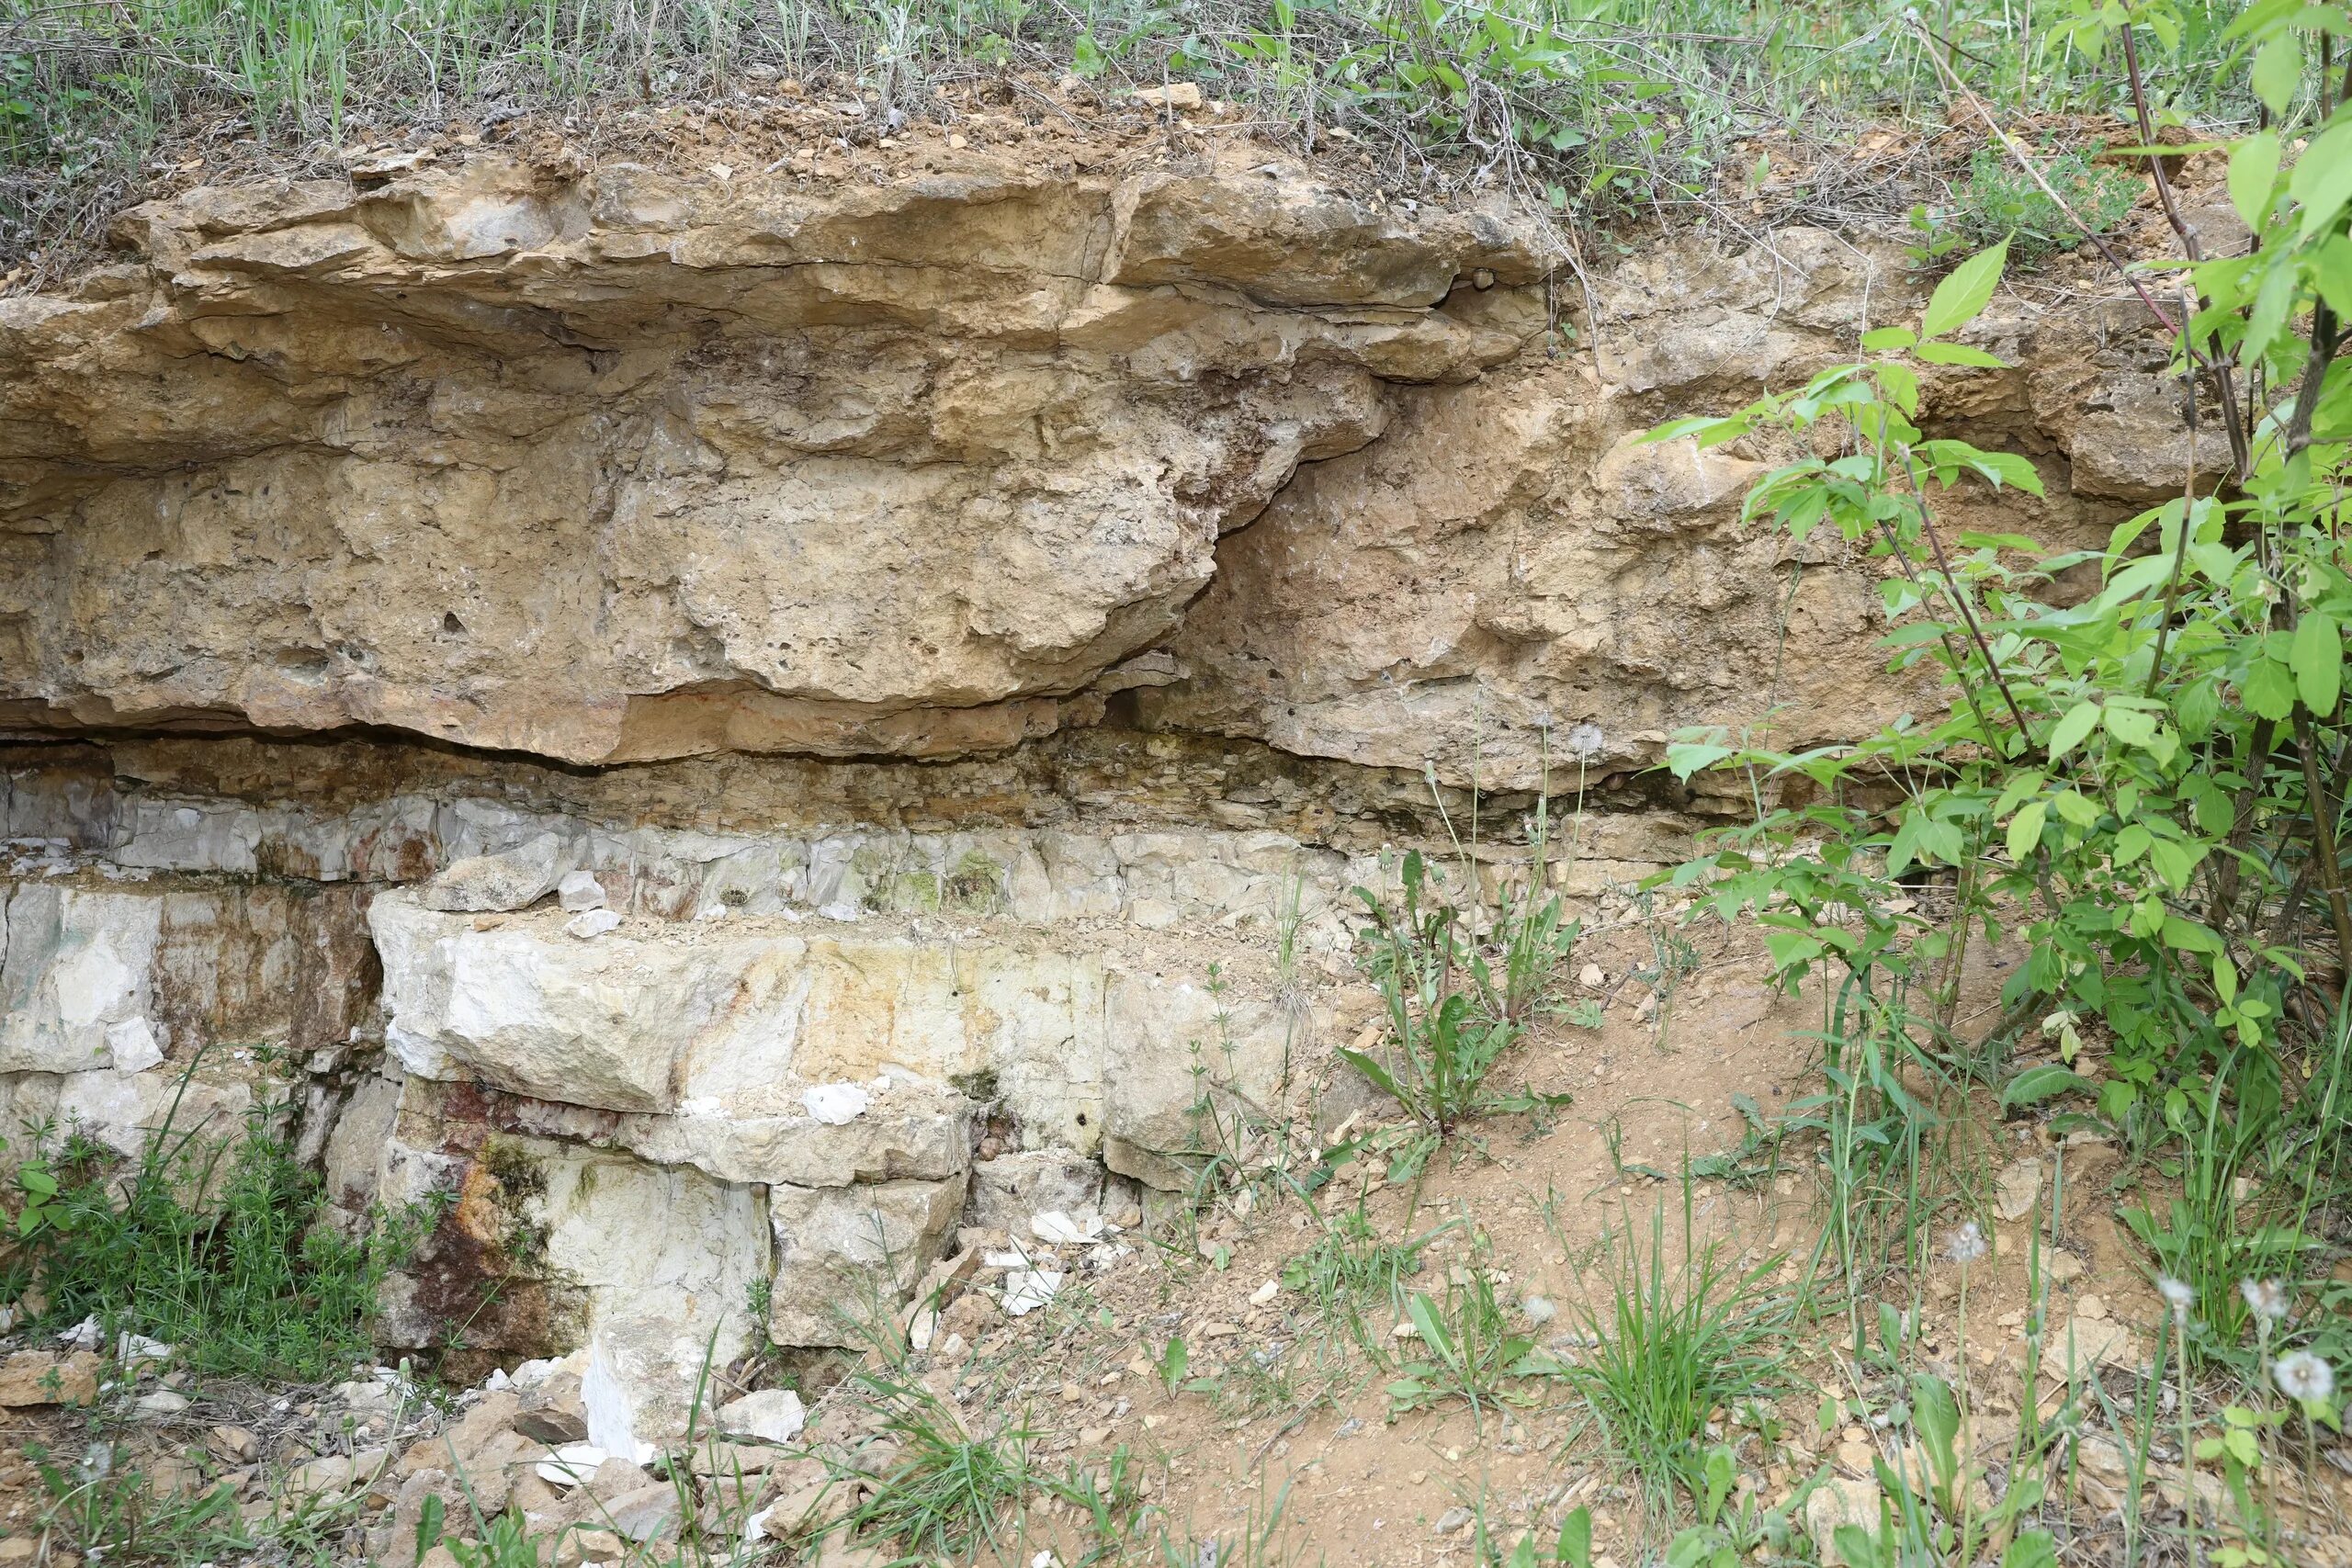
[622, 465]
[1511, 585]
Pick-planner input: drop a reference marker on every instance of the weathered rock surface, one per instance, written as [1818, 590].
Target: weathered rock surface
[723, 1026]
[619, 466]
[1509, 586]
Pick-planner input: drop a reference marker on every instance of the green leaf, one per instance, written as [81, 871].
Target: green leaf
[1423, 1311]
[2321, 182]
[1792, 948]
[1378, 1075]
[1854, 1544]
[2317, 659]
[1936, 1417]
[1958, 297]
[2272, 304]
[2254, 172]
[1684, 758]
[1960, 354]
[2269, 689]
[2334, 270]
[1901, 385]
[2044, 1080]
[1575, 1548]
[2072, 729]
[2279, 70]
[2025, 831]
[2008, 468]
[2175, 863]
[2130, 726]
[2031, 1549]
[2188, 936]
[1881, 339]
[1174, 1358]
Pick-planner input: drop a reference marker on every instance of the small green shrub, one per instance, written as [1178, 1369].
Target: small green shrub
[212, 1244]
[1997, 202]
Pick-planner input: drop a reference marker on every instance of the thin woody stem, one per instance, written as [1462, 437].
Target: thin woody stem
[1960, 602]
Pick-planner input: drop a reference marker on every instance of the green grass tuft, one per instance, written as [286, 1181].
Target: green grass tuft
[213, 1244]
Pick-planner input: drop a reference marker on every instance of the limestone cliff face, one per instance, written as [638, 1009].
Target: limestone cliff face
[612, 467]
[585, 660]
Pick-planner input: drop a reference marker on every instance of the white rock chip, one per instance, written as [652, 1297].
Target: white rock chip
[1058, 1229]
[573, 1464]
[1026, 1289]
[591, 923]
[837, 1104]
[770, 1416]
[580, 891]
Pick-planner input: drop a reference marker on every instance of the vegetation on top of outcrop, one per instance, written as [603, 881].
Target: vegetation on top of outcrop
[1596, 106]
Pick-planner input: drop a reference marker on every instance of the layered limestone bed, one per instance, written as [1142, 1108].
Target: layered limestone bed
[724, 729]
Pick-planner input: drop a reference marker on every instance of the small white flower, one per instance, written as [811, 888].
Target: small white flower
[1966, 1245]
[2302, 1375]
[2267, 1299]
[2177, 1294]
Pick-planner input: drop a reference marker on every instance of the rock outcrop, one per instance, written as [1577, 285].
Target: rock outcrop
[721, 728]
[612, 467]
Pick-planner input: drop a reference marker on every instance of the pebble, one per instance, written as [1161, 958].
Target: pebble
[1452, 1520]
[235, 1444]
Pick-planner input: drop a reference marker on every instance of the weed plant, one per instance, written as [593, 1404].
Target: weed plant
[103, 1508]
[1466, 1347]
[213, 1242]
[1673, 1334]
[1461, 978]
[1349, 1273]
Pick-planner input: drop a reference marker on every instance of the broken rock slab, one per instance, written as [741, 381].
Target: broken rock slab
[32, 1378]
[1007, 1189]
[554, 1247]
[843, 1252]
[512, 879]
[77, 989]
[1086, 1049]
